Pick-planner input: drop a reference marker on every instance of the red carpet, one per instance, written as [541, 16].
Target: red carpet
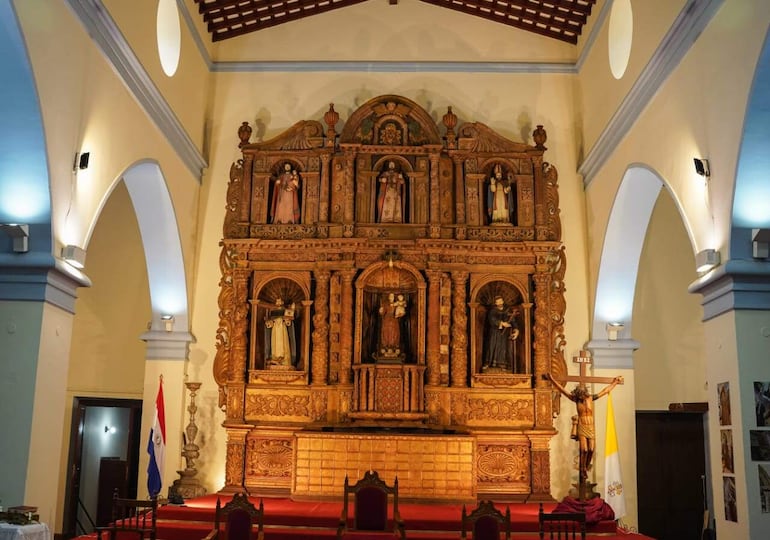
[286, 519]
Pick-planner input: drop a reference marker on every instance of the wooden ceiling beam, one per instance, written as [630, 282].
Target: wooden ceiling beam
[273, 13]
[559, 19]
[526, 20]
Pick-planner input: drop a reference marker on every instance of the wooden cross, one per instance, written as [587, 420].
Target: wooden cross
[584, 360]
[585, 488]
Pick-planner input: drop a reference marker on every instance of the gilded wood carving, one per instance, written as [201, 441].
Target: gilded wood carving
[399, 273]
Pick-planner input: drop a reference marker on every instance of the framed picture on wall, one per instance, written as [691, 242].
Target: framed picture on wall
[731, 507]
[723, 399]
[764, 487]
[760, 444]
[727, 451]
[762, 403]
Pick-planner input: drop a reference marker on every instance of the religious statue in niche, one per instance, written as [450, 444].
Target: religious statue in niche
[285, 207]
[393, 327]
[391, 203]
[501, 198]
[280, 339]
[501, 332]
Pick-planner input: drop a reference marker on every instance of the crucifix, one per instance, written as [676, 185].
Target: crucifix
[583, 424]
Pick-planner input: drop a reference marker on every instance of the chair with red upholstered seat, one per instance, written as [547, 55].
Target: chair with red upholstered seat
[370, 507]
[239, 517]
[486, 522]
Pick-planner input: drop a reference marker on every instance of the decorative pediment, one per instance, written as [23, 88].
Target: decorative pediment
[479, 138]
[303, 135]
[390, 121]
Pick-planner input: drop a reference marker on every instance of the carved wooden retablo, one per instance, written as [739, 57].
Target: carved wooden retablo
[391, 296]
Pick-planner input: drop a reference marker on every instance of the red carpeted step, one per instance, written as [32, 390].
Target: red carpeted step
[286, 519]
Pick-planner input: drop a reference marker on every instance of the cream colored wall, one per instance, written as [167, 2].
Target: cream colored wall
[48, 429]
[670, 365]
[722, 360]
[600, 92]
[510, 104]
[697, 112]
[85, 107]
[409, 31]
[107, 355]
[187, 90]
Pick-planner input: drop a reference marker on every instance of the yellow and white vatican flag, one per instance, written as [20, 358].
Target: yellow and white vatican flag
[613, 481]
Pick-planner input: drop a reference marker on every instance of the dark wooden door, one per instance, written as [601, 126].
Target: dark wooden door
[671, 464]
[113, 475]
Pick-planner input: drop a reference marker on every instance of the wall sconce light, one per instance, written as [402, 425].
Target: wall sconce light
[74, 255]
[760, 239]
[110, 429]
[706, 260]
[702, 167]
[168, 322]
[81, 161]
[20, 235]
[613, 329]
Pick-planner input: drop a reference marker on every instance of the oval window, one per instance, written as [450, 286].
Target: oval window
[169, 36]
[620, 36]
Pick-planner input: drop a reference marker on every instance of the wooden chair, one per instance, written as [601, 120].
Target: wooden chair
[486, 522]
[239, 517]
[562, 525]
[131, 517]
[370, 506]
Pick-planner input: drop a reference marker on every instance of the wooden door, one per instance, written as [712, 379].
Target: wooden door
[671, 464]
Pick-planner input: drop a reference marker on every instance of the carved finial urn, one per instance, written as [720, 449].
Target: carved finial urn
[450, 121]
[331, 117]
[539, 136]
[244, 134]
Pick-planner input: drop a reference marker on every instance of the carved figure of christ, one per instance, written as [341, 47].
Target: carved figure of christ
[584, 403]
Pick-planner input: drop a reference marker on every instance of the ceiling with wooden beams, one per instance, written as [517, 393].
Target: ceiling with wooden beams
[558, 19]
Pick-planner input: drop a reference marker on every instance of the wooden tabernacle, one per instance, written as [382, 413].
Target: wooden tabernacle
[391, 297]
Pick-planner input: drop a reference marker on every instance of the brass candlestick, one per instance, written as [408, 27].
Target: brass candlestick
[188, 486]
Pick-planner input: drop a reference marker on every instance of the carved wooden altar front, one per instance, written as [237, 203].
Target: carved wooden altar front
[391, 293]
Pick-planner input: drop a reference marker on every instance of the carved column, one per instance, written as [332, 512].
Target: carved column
[541, 469]
[542, 328]
[236, 377]
[323, 195]
[541, 218]
[235, 460]
[459, 191]
[346, 325]
[459, 331]
[347, 212]
[248, 173]
[320, 366]
[434, 326]
[527, 316]
[435, 197]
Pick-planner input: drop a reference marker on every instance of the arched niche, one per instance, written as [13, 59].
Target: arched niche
[491, 330]
[373, 287]
[280, 298]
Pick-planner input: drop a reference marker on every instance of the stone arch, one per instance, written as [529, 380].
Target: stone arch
[167, 280]
[623, 242]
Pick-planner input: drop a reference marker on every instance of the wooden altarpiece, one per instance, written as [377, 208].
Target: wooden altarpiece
[383, 308]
